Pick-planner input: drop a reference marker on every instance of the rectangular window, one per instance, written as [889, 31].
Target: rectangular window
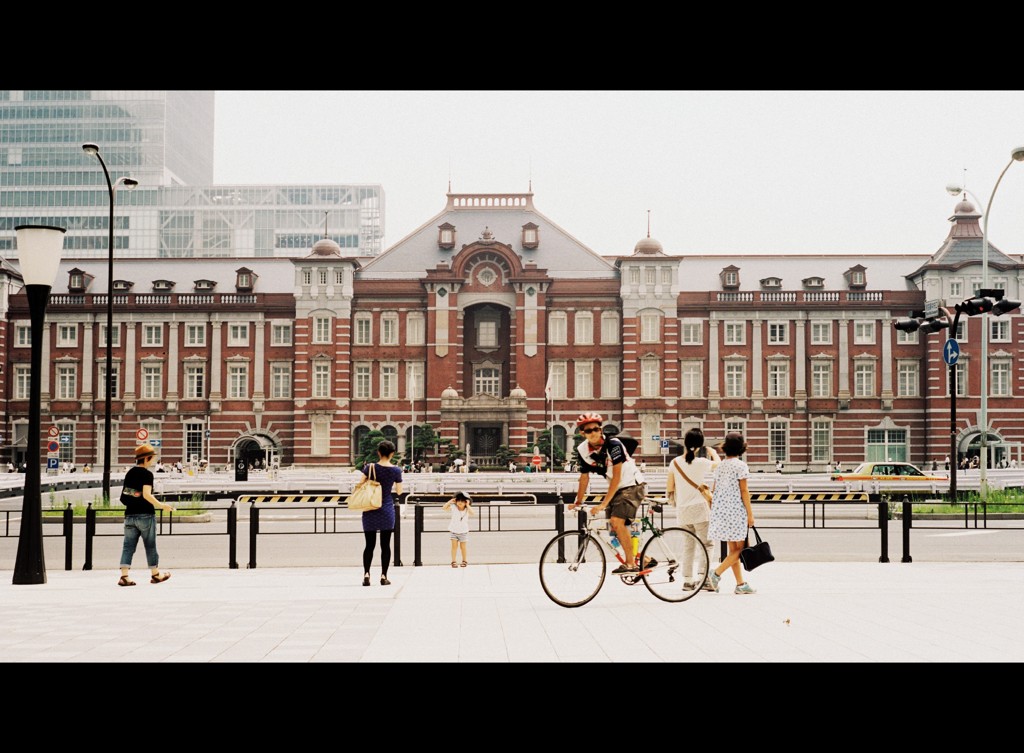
[821, 441]
[778, 441]
[692, 379]
[23, 335]
[650, 275]
[908, 379]
[415, 328]
[634, 275]
[195, 381]
[362, 334]
[609, 328]
[778, 379]
[152, 335]
[339, 277]
[115, 340]
[650, 377]
[238, 334]
[362, 381]
[609, 379]
[321, 379]
[735, 380]
[67, 335]
[195, 449]
[487, 381]
[961, 379]
[999, 384]
[280, 334]
[238, 381]
[322, 276]
[152, 381]
[906, 338]
[67, 381]
[195, 335]
[961, 331]
[821, 333]
[821, 379]
[321, 438]
[666, 275]
[556, 375]
[322, 329]
[740, 426]
[415, 386]
[22, 381]
[735, 333]
[557, 334]
[101, 379]
[487, 333]
[584, 371]
[887, 444]
[584, 328]
[281, 380]
[864, 333]
[1000, 330]
[650, 327]
[388, 381]
[389, 329]
[691, 333]
[778, 333]
[863, 379]
[956, 289]
[67, 445]
[307, 277]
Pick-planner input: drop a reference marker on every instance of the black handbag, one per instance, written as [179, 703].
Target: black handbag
[756, 555]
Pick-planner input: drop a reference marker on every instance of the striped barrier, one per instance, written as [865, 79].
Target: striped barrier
[309, 499]
[862, 497]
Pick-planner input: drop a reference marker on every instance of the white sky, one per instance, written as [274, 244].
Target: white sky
[769, 172]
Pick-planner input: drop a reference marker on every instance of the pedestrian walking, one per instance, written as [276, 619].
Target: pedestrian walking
[381, 520]
[461, 507]
[687, 473]
[140, 516]
[731, 513]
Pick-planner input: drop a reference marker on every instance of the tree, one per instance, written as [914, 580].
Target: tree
[504, 455]
[544, 445]
[368, 447]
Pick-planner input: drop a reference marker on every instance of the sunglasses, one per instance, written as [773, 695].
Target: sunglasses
[592, 430]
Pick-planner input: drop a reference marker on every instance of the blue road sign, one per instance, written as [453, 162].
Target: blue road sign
[65, 438]
[155, 442]
[951, 352]
[655, 437]
[664, 444]
[51, 464]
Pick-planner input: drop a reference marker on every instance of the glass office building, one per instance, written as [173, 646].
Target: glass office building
[164, 140]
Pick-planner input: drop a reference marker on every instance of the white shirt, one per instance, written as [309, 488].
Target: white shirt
[459, 522]
[691, 507]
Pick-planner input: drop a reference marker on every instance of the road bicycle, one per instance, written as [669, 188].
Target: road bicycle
[574, 564]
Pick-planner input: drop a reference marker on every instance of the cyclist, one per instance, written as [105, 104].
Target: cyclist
[626, 487]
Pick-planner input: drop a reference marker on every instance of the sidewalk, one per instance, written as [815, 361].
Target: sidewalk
[803, 612]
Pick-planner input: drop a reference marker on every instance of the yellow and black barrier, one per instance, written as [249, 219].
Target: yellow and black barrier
[862, 497]
[303, 499]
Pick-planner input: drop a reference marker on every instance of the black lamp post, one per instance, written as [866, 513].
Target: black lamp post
[128, 183]
[39, 248]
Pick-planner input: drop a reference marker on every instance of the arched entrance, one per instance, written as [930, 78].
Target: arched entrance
[257, 450]
[969, 446]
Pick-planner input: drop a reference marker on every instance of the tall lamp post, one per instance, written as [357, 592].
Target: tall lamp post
[1017, 155]
[128, 183]
[39, 248]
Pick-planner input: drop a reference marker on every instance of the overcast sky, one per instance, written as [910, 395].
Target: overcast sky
[807, 172]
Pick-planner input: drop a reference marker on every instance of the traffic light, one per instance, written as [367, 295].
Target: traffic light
[975, 306]
[933, 325]
[1004, 306]
[907, 325]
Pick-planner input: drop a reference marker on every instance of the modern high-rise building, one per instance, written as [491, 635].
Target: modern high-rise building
[164, 140]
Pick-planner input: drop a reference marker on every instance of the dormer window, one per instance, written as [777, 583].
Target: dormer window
[772, 283]
[730, 277]
[163, 286]
[814, 282]
[205, 286]
[78, 280]
[122, 286]
[245, 280]
[531, 235]
[856, 277]
[446, 235]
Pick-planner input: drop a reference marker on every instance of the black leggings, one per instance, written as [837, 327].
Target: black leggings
[385, 550]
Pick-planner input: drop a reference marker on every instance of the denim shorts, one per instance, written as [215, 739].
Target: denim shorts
[460, 537]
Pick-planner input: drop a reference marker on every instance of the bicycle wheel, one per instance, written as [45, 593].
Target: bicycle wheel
[572, 568]
[682, 567]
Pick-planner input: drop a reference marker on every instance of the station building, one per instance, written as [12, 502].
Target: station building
[492, 323]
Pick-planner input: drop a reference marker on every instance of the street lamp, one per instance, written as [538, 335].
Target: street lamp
[39, 248]
[1017, 155]
[128, 183]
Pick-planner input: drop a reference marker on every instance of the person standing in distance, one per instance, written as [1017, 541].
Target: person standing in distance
[626, 487]
[140, 516]
[383, 518]
[692, 509]
[731, 513]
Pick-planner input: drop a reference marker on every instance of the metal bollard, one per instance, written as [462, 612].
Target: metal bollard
[398, 538]
[254, 529]
[883, 524]
[90, 532]
[907, 524]
[69, 530]
[232, 536]
[417, 535]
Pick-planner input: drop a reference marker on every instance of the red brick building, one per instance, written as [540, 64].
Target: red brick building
[464, 323]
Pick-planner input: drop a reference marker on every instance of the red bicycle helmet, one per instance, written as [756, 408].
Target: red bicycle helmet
[589, 418]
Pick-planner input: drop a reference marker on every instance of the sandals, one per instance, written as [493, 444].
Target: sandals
[464, 563]
[454, 563]
[384, 580]
[159, 577]
[125, 581]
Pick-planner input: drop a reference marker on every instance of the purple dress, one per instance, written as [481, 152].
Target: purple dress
[383, 518]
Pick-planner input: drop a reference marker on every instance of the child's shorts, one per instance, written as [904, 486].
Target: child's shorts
[460, 537]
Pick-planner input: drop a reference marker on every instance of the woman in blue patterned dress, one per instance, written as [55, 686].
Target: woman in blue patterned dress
[731, 513]
[383, 518]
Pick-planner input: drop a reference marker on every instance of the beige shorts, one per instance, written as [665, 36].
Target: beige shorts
[626, 501]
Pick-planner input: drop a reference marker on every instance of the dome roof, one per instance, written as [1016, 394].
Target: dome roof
[448, 392]
[326, 247]
[965, 207]
[518, 393]
[647, 246]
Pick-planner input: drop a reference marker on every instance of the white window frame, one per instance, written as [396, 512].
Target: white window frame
[389, 380]
[691, 379]
[281, 334]
[22, 335]
[734, 333]
[778, 441]
[415, 328]
[778, 378]
[1000, 377]
[583, 328]
[67, 335]
[650, 377]
[908, 378]
[610, 379]
[196, 376]
[22, 381]
[864, 332]
[821, 378]
[320, 382]
[152, 335]
[691, 332]
[906, 338]
[67, 381]
[238, 381]
[281, 380]
[195, 335]
[362, 329]
[821, 333]
[611, 326]
[821, 441]
[321, 326]
[999, 331]
[389, 328]
[101, 380]
[650, 326]
[415, 380]
[238, 334]
[557, 375]
[864, 373]
[735, 379]
[487, 380]
[956, 288]
[116, 340]
[778, 333]
[152, 381]
[362, 380]
[558, 328]
[583, 377]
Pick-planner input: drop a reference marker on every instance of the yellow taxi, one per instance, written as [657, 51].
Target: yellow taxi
[886, 471]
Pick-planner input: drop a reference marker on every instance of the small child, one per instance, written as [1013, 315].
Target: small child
[459, 525]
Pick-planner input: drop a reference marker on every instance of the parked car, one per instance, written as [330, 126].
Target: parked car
[886, 471]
